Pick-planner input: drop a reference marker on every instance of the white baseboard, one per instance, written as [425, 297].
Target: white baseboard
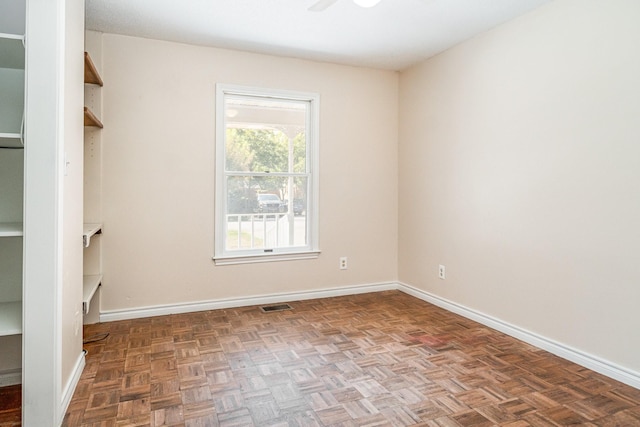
[70, 387]
[162, 310]
[579, 357]
[589, 361]
[11, 377]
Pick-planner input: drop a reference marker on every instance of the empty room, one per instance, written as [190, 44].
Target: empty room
[319, 213]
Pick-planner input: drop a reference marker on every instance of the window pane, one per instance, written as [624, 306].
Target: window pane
[265, 135]
[251, 194]
[260, 215]
[257, 150]
[300, 153]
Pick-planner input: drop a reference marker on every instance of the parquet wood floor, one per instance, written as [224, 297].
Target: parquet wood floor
[10, 405]
[380, 359]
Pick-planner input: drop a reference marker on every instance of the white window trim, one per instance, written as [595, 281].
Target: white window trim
[310, 251]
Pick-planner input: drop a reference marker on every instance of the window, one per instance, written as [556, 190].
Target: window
[266, 175]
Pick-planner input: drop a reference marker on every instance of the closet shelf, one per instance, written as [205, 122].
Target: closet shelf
[90, 285]
[88, 231]
[11, 51]
[10, 318]
[91, 120]
[91, 74]
[10, 229]
[11, 140]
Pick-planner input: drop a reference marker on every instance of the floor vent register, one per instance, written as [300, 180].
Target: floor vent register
[277, 307]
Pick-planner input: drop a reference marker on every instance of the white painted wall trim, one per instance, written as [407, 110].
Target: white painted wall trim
[42, 258]
[162, 310]
[587, 360]
[70, 387]
[11, 377]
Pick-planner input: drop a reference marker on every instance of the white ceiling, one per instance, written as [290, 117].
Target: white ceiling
[392, 35]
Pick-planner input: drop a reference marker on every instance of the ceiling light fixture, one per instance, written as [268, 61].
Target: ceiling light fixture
[366, 3]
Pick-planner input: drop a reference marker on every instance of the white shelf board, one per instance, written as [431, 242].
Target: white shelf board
[11, 51]
[90, 285]
[10, 318]
[10, 140]
[10, 229]
[89, 230]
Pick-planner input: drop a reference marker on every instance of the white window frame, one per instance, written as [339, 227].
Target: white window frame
[311, 250]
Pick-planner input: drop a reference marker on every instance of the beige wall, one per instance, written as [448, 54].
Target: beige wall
[520, 172]
[158, 173]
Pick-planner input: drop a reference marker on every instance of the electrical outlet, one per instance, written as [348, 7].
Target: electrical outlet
[343, 263]
[441, 272]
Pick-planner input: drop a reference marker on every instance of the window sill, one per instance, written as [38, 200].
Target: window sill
[251, 259]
